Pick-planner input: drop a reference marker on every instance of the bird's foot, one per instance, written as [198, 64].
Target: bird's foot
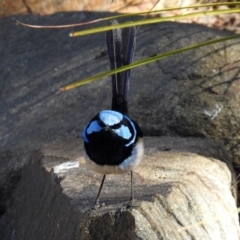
[97, 205]
[127, 205]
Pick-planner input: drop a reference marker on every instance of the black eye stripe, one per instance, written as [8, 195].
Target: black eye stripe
[101, 124]
[116, 126]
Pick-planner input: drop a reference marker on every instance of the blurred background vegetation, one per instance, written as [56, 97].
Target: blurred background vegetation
[229, 21]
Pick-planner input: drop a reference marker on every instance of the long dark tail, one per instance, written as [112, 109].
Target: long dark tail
[121, 46]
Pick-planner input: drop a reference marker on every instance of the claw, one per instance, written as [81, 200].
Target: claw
[127, 205]
[97, 205]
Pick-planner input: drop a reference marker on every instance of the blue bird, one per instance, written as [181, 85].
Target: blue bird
[112, 141]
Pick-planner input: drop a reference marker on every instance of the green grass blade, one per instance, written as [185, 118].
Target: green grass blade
[145, 61]
[153, 20]
[171, 9]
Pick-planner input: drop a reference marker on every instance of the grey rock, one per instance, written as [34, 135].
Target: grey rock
[11, 163]
[175, 188]
[191, 94]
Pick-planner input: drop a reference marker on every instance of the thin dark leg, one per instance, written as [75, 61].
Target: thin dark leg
[132, 191]
[97, 205]
[131, 201]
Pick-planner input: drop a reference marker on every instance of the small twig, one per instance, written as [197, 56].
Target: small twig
[59, 26]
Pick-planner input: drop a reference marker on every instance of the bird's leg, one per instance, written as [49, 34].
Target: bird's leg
[132, 199]
[97, 205]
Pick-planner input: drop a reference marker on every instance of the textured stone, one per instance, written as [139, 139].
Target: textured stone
[10, 173]
[175, 188]
[191, 94]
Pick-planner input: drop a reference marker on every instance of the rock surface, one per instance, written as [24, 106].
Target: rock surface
[194, 94]
[175, 188]
[190, 94]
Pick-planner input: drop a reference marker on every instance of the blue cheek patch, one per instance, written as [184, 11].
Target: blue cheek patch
[93, 127]
[123, 132]
[110, 118]
[84, 135]
[134, 132]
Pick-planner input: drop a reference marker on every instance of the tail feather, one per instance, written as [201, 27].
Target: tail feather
[129, 43]
[121, 46]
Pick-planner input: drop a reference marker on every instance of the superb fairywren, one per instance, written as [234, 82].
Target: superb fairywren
[112, 141]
